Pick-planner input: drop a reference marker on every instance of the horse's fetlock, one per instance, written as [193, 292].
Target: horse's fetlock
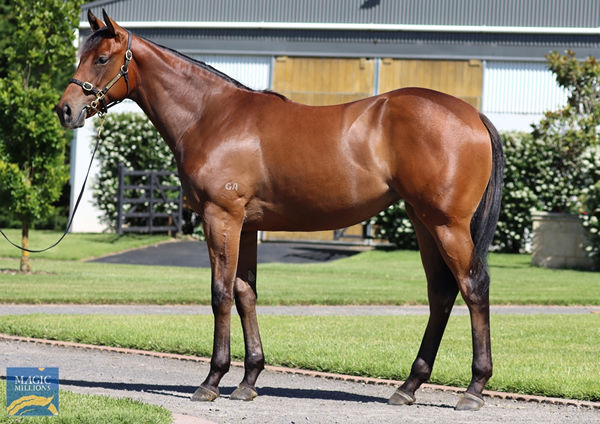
[220, 367]
[421, 370]
[255, 361]
[482, 371]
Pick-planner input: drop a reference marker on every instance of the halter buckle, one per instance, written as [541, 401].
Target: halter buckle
[128, 54]
[87, 86]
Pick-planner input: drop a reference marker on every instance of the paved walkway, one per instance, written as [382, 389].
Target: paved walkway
[195, 253]
[283, 397]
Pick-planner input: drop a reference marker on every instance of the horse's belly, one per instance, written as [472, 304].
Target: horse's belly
[326, 211]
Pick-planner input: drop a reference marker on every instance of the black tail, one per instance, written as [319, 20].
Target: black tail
[483, 224]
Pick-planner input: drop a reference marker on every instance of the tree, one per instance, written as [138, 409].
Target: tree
[38, 57]
[569, 134]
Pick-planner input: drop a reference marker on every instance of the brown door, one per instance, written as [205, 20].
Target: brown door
[460, 78]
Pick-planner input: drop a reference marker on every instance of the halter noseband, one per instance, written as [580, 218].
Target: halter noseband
[99, 103]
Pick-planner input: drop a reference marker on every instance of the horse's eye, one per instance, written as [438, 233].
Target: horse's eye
[102, 60]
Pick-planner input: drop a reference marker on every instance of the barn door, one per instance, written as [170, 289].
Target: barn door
[460, 78]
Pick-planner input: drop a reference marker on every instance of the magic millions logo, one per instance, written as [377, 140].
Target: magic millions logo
[31, 391]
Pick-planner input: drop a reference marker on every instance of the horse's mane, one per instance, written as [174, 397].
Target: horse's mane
[214, 71]
[102, 33]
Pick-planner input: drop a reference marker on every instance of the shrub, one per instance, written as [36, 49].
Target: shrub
[393, 225]
[556, 168]
[590, 219]
[518, 200]
[532, 181]
[518, 197]
[130, 139]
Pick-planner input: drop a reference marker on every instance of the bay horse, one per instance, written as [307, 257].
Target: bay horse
[254, 160]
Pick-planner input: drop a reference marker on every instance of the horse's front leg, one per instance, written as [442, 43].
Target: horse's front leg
[222, 231]
[245, 301]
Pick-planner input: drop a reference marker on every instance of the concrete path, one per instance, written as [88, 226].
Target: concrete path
[352, 310]
[283, 397]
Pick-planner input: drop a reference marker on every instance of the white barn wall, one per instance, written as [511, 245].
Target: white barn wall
[516, 94]
[253, 71]
[87, 219]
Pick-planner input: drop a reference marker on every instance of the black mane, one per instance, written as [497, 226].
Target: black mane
[97, 36]
[214, 71]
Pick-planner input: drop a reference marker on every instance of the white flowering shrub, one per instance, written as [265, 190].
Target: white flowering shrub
[588, 203]
[519, 198]
[532, 181]
[129, 139]
[590, 219]
[392, 224]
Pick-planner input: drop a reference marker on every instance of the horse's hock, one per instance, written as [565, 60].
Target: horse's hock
[559, 241]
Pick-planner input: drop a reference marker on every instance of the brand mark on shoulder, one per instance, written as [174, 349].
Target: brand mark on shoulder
[231, 186]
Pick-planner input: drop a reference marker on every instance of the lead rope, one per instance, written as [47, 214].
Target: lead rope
[100, 128]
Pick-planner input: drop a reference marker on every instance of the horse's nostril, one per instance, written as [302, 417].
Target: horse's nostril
[66, 111]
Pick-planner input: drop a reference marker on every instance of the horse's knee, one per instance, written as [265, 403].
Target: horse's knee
[221, 300]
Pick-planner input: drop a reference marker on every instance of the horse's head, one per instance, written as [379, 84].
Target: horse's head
[102, 77]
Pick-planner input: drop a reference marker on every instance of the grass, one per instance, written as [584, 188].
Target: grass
[374, 277]
[93, 409]
[545, 355]
[75, 246]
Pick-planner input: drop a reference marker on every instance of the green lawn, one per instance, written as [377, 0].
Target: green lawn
[374, 277]
[75, 246]
[554, 355]
[92, 409]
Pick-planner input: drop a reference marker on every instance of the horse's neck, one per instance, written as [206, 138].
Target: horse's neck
[172, 91]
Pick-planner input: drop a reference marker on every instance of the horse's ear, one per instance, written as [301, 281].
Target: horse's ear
[95, 23]
[109, 23]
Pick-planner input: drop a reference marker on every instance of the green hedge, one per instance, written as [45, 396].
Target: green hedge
[535, 179]
[518, 200]
[131, 139]
[556, 168]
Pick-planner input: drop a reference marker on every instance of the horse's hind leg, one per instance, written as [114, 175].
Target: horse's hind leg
[245, 301]
[456, 246]
[442, 290]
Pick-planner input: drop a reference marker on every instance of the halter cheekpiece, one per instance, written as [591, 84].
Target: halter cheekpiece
[99, 103]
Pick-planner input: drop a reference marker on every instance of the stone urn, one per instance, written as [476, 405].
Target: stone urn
[559, 241]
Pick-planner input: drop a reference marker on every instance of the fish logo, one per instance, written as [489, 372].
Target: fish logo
[29, 405]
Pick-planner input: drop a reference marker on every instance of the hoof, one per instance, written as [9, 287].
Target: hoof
[204, 395]
[244, 392]
[469, 402]
[401, 398]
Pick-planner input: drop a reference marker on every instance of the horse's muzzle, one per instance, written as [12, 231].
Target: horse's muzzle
[67, 117]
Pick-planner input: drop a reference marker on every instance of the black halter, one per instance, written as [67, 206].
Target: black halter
[99, 103]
